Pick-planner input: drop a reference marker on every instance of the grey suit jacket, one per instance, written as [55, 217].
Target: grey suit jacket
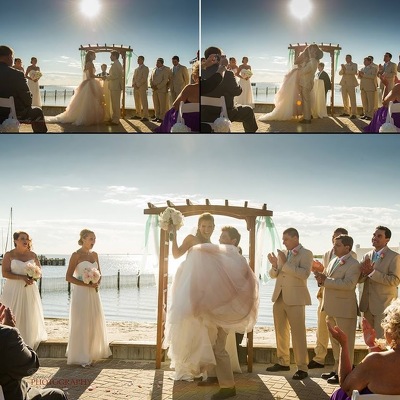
[291, 279]
[339, 298]
[381, 288]
[17, 361]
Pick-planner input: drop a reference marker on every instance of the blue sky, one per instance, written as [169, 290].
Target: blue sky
[53, 30]
[263, 30]
[58, 185]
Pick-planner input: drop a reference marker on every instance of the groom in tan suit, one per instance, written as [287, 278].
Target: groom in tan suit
[380, 270]
[116, 86]
[140, 84]
[291, 270]
[339, 300]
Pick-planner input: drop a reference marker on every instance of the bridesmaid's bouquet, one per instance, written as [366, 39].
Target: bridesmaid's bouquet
[170, 216]
[90, 276]
[35, 75]
[246, 73]
[33, 271]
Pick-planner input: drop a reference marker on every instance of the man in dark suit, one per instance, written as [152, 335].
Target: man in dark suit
[228, 88]
[17, 360]
[325, 77]
[13, 83]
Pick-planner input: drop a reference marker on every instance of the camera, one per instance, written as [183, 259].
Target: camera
[218, 57]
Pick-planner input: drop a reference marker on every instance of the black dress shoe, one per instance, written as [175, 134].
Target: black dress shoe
[278, 367]
[300, 375]
[224, 393]
[353, 117]
[144, 119]
[367, 118]
[210, 381]
[135, 117]
[344, 115]
[334, 380]
[313, 364]
[305, 121]
[327, 375]
[154, 119]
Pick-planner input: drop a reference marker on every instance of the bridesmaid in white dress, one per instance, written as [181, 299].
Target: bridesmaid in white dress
[20, 293]
[87, 325]
[33, 83]
[246, 97]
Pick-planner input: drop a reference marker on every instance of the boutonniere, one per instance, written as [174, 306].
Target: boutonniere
[382, 256]
[295, 252]
[342, 262]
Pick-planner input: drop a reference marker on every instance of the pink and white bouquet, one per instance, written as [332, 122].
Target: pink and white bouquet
[170, 216]
[246, 73]
[90, 276]
[33, 271]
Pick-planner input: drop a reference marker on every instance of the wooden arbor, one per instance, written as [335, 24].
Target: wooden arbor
[327, 48]
[189, 209]
[121, 50]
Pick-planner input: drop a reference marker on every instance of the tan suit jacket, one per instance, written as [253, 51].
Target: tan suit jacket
[179, 78]
[349, 75]
[390, 72]
[306, 73]
[339, 299]
[369, 81]
[116, 77]
[291, 279]
[381, 288]
[160, 79]
[140, 77]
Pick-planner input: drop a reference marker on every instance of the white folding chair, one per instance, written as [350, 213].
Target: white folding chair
[393, 108]
[214, 102]
[9, 103]
[186, 108]
[357, 396]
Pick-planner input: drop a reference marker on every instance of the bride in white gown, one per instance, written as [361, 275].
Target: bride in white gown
[21, 294]
[214, 287]
[288, 99]
[87, 104]
[87, 326]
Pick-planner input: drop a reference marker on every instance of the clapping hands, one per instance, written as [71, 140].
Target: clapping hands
[6, 316]
[368, 332]
[366, 267]
[337, 334]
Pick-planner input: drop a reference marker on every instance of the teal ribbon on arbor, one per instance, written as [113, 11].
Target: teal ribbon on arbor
[336, 59]
[291, 59]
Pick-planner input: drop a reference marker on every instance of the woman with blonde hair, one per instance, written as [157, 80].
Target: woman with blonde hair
[383, 357]
[21, 268]
[87, 325]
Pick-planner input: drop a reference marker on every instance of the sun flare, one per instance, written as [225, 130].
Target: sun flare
[300, 8]
[90, 8]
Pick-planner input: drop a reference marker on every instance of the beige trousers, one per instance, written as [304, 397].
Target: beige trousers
[116, 105]
[140, 96]
[160, 103]
[349, 92]
[321, 347]
[223, 367]
[368, 102]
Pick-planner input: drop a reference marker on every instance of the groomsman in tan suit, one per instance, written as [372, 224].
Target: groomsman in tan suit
[348, 84]
[339, 300]
[367, 76]
[291, 270]
[140, 84]
[179, 78]
[116, 85]
[387, 72]
[380, 269]
[321, 347]
[376, 106]
[159, 83]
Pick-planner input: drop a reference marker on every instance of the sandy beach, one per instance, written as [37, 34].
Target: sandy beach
[57, 329]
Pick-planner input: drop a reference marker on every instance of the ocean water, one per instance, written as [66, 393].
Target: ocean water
[139, 304]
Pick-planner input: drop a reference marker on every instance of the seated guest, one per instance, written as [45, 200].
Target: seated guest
[189, 94]
[228, 88]
[380, 115]
[13, 83]
[379, 371]
[17, 360]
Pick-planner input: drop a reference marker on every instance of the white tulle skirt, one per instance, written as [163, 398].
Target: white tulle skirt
[285, 100]
[214, 287]
[86, 106]
[246, 97]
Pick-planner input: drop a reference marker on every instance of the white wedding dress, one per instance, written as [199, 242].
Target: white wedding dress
[34, 88]
[86, 106]
[285, 100]
[214, 287]
[87, 325]
[25, 303]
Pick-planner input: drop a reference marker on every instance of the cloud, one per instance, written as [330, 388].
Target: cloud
[120, 190]
[72, 189]
[31, 188]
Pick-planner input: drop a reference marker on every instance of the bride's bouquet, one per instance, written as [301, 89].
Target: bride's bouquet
[33, 271]
[246, 73]
[90, 276]
[170, 216]
[35, 75]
